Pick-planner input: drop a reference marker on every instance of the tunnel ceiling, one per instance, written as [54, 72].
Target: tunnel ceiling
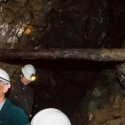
[45, 24]
[40, 24]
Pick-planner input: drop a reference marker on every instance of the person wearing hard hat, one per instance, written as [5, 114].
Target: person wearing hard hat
[21, 94]
[9, 114]
[50, 116]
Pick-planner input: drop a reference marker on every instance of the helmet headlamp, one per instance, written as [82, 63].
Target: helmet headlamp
[32, 77]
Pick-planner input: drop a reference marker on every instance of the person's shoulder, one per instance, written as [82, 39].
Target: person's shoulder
[17, 111]
[19, 114]
[13, 109]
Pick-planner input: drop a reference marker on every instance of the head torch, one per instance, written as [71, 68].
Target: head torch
[32, 77]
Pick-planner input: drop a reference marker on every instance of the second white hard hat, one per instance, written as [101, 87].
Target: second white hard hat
[50, 116]
[4, 77]
[28, 70]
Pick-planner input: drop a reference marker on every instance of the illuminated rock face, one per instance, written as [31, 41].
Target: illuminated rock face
[45, 24]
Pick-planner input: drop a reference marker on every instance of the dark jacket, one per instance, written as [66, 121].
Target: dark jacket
[12, 115]
[21, 96]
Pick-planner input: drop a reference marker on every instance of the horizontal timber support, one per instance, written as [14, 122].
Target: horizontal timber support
[65, 54]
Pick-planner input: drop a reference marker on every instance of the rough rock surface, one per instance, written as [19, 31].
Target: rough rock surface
[69, 86]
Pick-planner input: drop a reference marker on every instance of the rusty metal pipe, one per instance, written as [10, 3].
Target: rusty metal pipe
[65, 54]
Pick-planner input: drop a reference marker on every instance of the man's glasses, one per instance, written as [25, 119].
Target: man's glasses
[3, 82]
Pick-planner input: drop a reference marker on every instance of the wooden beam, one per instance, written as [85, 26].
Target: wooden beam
[65, 54]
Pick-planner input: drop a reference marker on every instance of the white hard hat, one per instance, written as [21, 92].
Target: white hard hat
[4, 77]
[50, 116]
[28, 70]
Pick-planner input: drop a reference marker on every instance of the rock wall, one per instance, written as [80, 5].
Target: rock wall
[104, 104]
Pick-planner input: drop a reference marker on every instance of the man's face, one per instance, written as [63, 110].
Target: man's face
[3, 89]
[25, 81]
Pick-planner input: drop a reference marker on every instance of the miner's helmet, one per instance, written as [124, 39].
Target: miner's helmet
[50, 116]
[4, 77]
[29, 72]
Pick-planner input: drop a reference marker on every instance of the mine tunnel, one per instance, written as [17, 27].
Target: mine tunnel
[77, 48]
